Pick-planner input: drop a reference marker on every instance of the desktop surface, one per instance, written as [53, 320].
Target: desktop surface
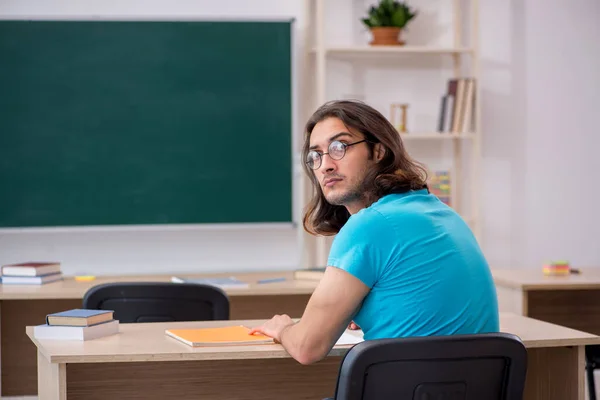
[149, 343]
[69, 288]
[528, 279]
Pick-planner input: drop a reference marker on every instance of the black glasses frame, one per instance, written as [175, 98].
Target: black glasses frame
[344, 146]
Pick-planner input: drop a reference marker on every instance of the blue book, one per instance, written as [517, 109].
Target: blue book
[79, 317]
[223, 283]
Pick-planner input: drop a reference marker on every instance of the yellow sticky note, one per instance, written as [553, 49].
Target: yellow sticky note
[85, 278]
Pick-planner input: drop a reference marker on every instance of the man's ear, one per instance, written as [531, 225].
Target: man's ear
[379, 152]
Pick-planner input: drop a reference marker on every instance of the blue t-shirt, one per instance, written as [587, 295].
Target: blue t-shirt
[426, 271]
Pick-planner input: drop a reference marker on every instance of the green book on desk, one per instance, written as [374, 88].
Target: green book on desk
[312, 274]
[79, 317]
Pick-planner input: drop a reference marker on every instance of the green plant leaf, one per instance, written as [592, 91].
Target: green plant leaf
[375, 21]
[387, 6]
[389, 13]
[387, 18]
[400, 18]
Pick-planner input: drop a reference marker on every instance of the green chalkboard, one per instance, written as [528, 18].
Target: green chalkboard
[145, 122]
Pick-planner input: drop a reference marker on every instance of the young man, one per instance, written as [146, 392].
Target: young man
[402, 264]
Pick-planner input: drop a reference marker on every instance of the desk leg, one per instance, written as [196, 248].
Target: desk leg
[18, 353]
[52, 379]
[555, 373]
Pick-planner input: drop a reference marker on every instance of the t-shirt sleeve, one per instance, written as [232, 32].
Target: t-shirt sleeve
[363, 247]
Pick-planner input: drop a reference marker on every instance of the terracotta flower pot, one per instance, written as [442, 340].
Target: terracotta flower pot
[386, 36]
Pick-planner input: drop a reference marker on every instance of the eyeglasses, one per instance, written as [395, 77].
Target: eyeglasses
[336, 150]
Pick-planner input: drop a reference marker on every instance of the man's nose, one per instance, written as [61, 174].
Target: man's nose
[327, 163]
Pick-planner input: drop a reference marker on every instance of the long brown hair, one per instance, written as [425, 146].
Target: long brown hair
[395, 173]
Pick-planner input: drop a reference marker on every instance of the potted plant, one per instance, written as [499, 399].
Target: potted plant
[386, 21]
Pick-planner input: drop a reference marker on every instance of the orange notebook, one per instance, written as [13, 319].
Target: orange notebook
[225, 336]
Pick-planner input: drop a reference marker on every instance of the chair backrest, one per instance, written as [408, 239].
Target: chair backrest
[159, 301]
[592, 353]
[489, 366]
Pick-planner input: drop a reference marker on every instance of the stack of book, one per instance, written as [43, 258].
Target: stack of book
[31, 273]
[557, 268]
[457, 110]
[77, 324]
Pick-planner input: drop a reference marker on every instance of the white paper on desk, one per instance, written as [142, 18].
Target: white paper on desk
[348, 338]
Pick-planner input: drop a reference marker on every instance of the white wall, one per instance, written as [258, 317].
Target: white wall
[563, 70]
[541, 89]
[540, 85]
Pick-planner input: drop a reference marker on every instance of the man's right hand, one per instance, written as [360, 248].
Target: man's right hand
[353, 326]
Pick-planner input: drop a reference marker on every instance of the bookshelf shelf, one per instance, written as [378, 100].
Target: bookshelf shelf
[459, 114]
[436, 136]
[370, 51]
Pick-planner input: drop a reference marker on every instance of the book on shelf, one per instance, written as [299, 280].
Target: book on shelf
[313, 274]
[79, 317]
[469, 106]
[457, 106]
[223, 283]
[223, 336]
[31, 280]
[62, 332]
[31, 268]
[440, 186]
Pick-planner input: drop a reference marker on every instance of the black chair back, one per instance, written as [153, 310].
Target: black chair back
[159, 302]
[460, 367]
[592, 363]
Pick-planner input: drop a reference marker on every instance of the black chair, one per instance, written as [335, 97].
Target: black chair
[592, 362]
[488, 366]
[159, 302]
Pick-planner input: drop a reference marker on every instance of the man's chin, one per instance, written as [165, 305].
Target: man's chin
[341, 197]
[335, 199]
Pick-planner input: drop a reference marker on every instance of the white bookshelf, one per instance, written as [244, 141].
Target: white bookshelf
[463, 55]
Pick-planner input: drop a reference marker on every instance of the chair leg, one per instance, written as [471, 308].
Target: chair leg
[591, 384]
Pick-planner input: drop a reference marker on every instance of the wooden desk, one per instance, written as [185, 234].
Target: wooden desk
[28, 305]
[572, 301]
[141, 362]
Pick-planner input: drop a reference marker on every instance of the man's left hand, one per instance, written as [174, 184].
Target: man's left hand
[274, 327]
